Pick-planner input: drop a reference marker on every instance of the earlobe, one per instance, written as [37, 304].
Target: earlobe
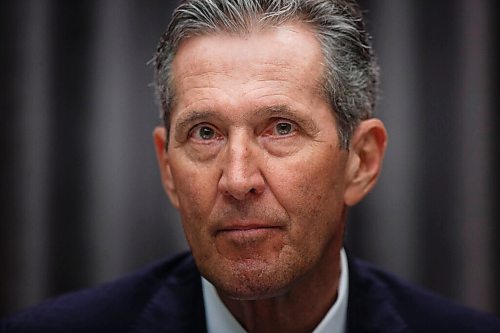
[365, 159]
[160, 142]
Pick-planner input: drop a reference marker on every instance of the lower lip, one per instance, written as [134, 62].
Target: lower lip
[248, 235]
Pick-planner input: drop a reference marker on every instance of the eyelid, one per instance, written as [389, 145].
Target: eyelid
[272, 127]
[193, 129]
[190, 119]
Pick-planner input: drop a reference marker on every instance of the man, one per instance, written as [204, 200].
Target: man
[268, 139]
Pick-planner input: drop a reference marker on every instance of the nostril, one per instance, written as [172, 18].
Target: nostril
[253, 191]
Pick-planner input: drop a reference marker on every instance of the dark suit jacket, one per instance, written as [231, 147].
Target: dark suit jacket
[167, 297]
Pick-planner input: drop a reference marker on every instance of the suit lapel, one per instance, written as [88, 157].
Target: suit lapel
[369, 307]
[177, 306]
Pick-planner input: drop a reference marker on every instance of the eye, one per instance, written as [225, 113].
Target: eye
[203, 132]
[282, 128]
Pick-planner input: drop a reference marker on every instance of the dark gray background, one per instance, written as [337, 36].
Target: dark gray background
[81, 201]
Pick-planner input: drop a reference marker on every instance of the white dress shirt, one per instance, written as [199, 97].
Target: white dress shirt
[220, 320]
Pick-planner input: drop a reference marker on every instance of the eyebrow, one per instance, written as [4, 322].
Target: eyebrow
[268, 111]
[191, 117]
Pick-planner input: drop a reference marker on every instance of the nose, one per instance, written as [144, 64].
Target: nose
[241, 173]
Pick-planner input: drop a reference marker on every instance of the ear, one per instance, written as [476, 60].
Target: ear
[160, 142]
[364, 163]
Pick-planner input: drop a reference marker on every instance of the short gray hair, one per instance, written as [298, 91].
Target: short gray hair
[350, 79]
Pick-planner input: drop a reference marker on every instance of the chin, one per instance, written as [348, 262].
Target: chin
[251, 290]
[252, 279]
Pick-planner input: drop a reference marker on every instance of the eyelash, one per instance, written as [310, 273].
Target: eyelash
[270, 130]
[273, 128]
[195, 132]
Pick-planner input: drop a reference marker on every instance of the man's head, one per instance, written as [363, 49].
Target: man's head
[255, 163]
[350, 73]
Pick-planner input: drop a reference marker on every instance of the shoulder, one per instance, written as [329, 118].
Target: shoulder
[414, 308]
[111, 307]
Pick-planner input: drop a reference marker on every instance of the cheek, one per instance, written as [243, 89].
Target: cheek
[195, 184]
[310, 185]
[196, 189]
[311, 191]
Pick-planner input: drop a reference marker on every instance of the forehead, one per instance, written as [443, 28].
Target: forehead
[289, 53]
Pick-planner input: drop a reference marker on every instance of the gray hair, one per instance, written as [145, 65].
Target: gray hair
[350, 79]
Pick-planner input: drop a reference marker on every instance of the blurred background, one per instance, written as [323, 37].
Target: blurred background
[81, 201]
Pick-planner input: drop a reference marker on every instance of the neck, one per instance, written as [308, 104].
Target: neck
[299, 309]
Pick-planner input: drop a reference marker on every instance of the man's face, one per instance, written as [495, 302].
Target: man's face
[253, 161]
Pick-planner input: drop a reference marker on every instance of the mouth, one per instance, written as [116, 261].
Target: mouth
[247, 226]
[249, 239]
[240, 233]
[247, 230]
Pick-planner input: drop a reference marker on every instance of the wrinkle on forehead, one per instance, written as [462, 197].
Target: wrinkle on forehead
[227, 72]
[258, 55]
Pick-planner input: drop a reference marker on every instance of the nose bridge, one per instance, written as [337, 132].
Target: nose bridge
[241, 172]
[237, 154]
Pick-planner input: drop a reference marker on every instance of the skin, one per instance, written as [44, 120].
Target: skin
[253, 165]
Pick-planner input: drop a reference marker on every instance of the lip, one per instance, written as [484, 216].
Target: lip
[247, 238]
[240, 230]
[247, 235]
[247, 226]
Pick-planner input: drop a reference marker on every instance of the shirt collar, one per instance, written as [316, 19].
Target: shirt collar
[219, 319]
